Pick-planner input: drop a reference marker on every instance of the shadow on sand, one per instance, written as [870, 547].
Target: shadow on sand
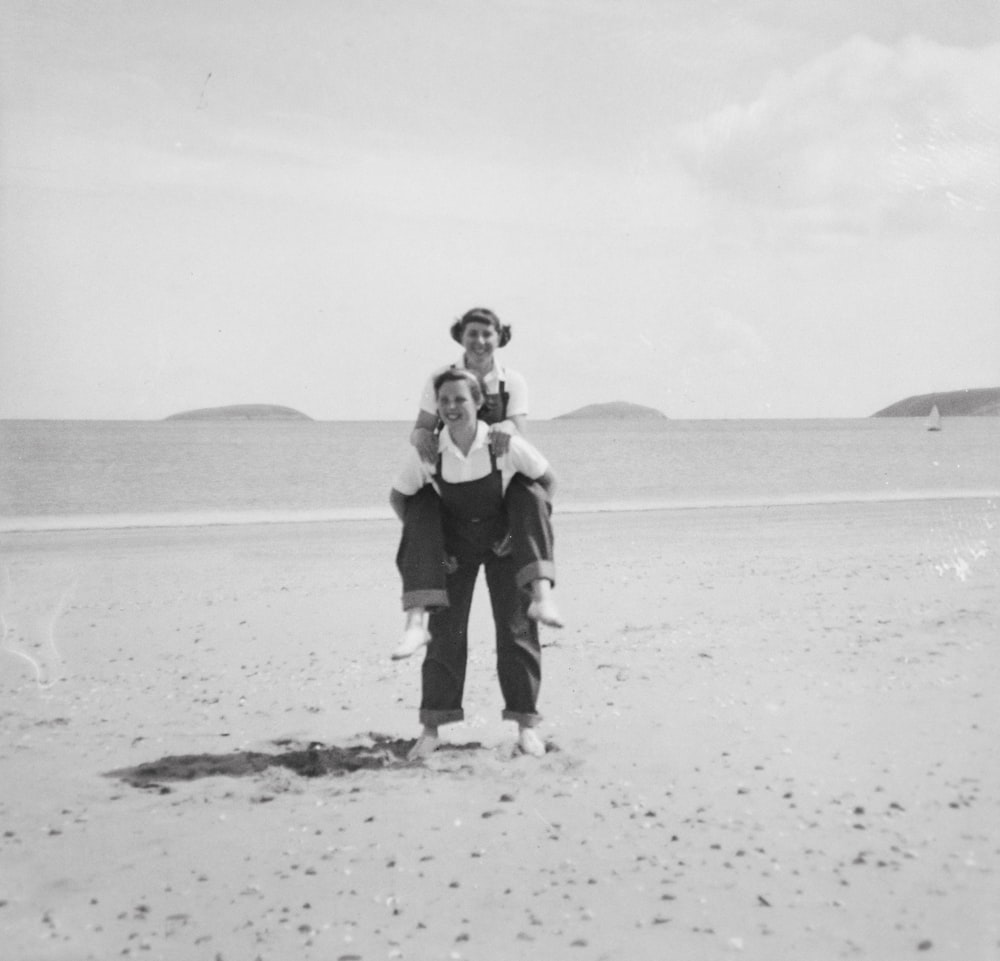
[378, 752]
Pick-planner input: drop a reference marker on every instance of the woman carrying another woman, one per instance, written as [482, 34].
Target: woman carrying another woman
[422, 559]
[470, 480]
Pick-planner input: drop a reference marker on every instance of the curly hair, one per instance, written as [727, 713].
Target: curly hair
[481, 315]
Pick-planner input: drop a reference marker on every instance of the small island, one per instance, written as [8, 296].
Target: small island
[613, 410]
[242, 412]
[972, 402]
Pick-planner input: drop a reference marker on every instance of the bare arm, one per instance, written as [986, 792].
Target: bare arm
[397, 501]
[548, 482]
[423, 438]
[500, 434]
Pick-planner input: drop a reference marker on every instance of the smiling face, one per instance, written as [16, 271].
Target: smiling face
[479, 340]
[456, 405]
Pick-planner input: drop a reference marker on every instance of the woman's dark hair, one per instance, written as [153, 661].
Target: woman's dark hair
[458, 374]
[480, 315]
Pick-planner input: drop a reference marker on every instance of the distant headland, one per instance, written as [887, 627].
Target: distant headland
[972, 402]
[242, 412]
[614, 410]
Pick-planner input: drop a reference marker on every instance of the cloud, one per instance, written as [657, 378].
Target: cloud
[866, 136]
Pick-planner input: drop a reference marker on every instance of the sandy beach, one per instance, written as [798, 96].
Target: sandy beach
[772, 734]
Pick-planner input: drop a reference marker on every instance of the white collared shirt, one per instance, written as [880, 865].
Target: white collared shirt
[516, 387]
[459, 468]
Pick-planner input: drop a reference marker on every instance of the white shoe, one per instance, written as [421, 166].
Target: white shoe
[545, 612]
[413, 639]
[530, 743]
[426, 745]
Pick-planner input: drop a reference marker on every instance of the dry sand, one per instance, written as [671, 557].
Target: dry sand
[772, 735]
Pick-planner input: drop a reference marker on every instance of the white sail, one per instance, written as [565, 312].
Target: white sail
[934, 419]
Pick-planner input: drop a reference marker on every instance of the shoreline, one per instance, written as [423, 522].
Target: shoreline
[56, 523]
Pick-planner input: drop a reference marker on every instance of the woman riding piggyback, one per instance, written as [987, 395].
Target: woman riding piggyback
[504, 410]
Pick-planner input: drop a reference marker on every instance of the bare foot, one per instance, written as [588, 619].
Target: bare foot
[414, 638]
[426, 745]
[545, 612]
[530, 743]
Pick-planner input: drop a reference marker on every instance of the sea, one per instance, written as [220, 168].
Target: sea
[77, 474]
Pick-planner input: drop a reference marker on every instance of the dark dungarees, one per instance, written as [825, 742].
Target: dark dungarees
[494, 407]
[474, 520]
[421, 558]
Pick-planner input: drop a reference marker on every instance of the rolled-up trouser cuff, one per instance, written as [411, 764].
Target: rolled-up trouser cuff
[536, 571]
[523, 720]
[425, 599]
[432, 718]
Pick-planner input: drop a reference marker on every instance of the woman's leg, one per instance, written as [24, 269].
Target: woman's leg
[426, 744]
[421, 558]
[519, 654]
[421, 563]
[443, 670]
[529, 513]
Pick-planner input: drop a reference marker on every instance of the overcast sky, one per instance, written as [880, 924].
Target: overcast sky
[740, 208]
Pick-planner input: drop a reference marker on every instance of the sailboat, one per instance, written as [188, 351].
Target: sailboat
[934, 419]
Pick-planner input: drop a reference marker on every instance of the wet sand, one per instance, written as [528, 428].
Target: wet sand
[772, 734]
